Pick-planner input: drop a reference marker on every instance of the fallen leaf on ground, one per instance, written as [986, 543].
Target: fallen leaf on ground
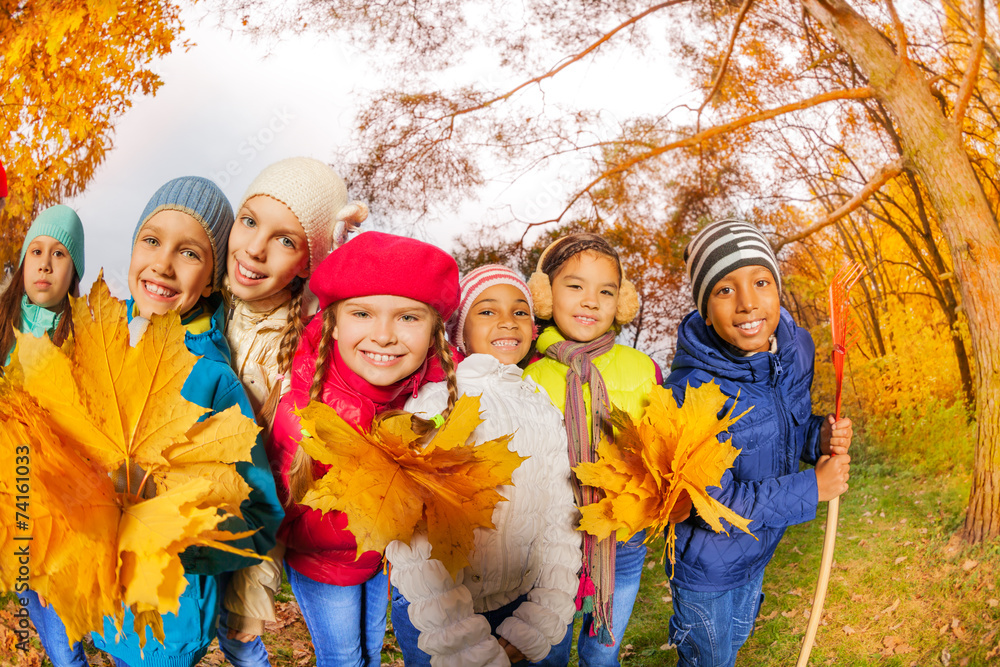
[969, 564]
[848, 630]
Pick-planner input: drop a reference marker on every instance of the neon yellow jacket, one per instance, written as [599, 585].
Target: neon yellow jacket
[629, 376]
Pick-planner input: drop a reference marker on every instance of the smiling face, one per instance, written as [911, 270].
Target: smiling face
[744, 308]
[48, 271]
[171, 267]
[383, 338]
[267, 249]
[499, 324]
[585, 296]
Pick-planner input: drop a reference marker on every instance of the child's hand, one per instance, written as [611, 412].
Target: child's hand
[832, 473]
[243, 637]
[835, 436]
[513, 653]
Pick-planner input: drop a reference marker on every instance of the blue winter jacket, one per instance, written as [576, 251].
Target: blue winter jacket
[764, 484]
[212, 384]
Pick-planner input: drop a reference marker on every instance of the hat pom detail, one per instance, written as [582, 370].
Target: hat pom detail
[628, 303]
[541, 294]
[349, 220]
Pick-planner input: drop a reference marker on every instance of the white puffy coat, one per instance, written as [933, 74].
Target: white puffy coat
[534, 550]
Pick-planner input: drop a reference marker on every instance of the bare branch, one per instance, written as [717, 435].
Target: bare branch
[725, 60]
[704, 135]
[972, 69]
[900, 30]
[881, 177]
[566, 62]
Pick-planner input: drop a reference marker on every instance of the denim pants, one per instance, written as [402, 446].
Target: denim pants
[346, 623]
[708, 628]
[630, 557]
[52, 633]
[249, 654]
[407, 634]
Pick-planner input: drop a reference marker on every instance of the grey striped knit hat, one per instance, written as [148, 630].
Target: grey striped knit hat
[205, 202]
[720, 248]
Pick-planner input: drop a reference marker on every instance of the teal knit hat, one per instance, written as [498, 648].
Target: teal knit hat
[63, 224]
[205, 202]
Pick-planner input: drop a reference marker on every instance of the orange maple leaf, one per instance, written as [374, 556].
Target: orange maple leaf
[387, 483]
[656, 469]
[71, 416]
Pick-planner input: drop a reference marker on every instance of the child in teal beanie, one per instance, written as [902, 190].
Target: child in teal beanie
[36, 301]
[49, 268]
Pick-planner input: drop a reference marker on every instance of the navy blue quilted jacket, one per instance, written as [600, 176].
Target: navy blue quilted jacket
[764, 484]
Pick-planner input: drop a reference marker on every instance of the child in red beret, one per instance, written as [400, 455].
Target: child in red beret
[379, 337]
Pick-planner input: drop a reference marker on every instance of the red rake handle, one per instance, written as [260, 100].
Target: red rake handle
[842, 329]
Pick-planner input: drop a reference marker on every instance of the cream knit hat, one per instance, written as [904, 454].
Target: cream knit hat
[317, 196]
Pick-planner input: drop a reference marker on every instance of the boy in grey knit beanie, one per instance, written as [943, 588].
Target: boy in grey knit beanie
[179, 246]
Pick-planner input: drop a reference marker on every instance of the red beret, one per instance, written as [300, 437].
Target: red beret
[375, 263]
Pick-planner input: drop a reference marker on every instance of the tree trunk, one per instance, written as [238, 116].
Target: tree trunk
[933, 148]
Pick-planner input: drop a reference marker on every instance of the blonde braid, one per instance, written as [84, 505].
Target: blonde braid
[447, 365]
[287, 345]
[323, 355]
[292, 332]
[300, 475]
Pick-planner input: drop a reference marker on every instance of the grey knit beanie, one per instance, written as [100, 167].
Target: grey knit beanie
[720, 248]
[205, 202]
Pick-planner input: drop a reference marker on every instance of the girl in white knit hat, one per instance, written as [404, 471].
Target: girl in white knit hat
[516, 598]
[292, 216]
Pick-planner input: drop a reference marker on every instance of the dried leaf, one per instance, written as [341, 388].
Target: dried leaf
[656, 469]
[84, 411]
[387, 483]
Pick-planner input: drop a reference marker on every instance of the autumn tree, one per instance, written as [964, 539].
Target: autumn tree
[69, 71]
[905, 99]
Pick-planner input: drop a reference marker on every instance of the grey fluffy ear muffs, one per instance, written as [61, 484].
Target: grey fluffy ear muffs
[541, 294]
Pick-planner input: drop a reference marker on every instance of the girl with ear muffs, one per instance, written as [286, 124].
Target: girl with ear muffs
[581, 293]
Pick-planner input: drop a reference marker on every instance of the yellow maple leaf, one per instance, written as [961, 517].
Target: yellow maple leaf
[656, 469]
[71, 416]
[387, 483]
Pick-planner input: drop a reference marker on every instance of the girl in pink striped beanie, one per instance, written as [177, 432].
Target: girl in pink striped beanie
[516, 598]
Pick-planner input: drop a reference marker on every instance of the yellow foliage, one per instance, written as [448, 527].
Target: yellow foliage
[387, 483]
[655, 470]
[69, 70]
[68, 418]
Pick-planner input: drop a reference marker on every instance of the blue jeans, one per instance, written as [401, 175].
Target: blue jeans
[347, 623]
[710, 627]
[52, 632]
[249, 654]
[629, 560]
[406, 634]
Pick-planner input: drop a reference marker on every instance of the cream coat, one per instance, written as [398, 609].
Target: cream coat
[254, 333]
[534, 549]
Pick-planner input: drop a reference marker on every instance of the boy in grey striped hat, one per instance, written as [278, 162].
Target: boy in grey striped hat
[740, 339]
[736, 284]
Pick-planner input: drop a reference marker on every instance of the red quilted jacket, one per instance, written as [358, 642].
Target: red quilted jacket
[319, 545]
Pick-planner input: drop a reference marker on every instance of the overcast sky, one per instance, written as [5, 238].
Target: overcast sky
[229, 107]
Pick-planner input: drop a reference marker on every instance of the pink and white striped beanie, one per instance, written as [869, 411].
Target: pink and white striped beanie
[475, 283]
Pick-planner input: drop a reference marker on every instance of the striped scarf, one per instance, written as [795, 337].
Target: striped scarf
[598, 575]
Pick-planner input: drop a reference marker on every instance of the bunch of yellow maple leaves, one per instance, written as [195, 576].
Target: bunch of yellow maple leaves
[71, 416]
[657, 469]
[389, 482]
